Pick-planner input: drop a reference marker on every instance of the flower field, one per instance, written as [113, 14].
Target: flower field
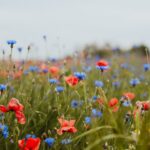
[75, 103]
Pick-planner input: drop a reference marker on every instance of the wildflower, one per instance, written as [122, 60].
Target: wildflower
[11, 43]
[59, 89]
[146, 67]
[143, 105]
[86, 68]
[20, 49]
[87, 120]
[26, 72]
[29, 144]
[66, 126]
[129, 96]
[2, 88]
[71, 80]
[76, 104]
[124, 66]
[113, 104]
[53, 81]
[45, 37]
[116, 84]
[4, 129]
[99, 83]
[18, 74]
[66, 141]
[126, 103]
[49, 141]
[44, 68]
[33, 68]
[96, 113]
[14, 105]
[80, 75]
[134, 82]
[100, 101]
[146, 105]
[102, 65]
[94, 97]
[54, 70]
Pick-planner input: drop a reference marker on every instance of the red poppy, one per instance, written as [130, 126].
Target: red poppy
[66, 126]
[18, 74]
[72, 80]
[17, 107]
[29, 144]
[146, 105]
[102, 63]
[54, 70]
[100, 101]
[129, 95]
[113, 104]
[3, 109]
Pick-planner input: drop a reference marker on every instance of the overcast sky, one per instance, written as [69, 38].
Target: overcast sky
[69, 24]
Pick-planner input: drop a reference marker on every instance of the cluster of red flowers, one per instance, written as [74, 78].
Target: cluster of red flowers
[29, 144]
[66, 126]
[71, 80]
[15, 106]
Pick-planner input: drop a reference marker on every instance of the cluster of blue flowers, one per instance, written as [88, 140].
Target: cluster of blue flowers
[96, 113]
[99, 83]
[134, 82]
[76, 103]
[80, 75]
[53, 81]
[4, 129]
[59, 89]
[3, 87]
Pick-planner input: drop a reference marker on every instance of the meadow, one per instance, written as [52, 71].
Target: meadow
[75, 103]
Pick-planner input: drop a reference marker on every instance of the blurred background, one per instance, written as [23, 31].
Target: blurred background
[56, 28]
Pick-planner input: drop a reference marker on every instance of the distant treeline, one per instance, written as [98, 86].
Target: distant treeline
[108, 51]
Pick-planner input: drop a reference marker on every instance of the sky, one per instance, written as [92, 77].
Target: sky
[71, 24]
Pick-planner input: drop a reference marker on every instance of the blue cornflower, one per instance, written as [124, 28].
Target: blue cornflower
[94, 97]
[86, 68]
[49, 141]
[146, 67]
[102, 68]
[124, 66]
[87, 120]
[45, 37]
[26, 72]
[53, 81]
[96, 113]
[30, 136]
[45, 70]
[52, 59]
[75, 103]
[5, 131]
[11, 43]
[34, 68]
[134, 82]
[20, 49]
[3, 87]
[80, 75]
[126, 103]
[116, 84]
[59, 89]
[66, 141]
[99, 83]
